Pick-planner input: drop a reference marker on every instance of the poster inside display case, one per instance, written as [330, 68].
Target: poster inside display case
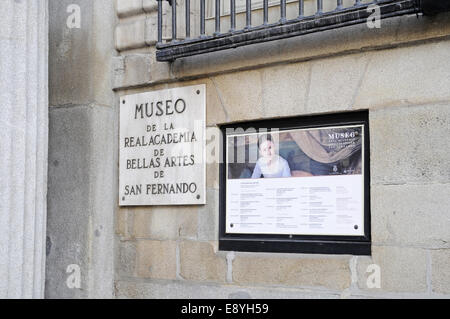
[300, 184]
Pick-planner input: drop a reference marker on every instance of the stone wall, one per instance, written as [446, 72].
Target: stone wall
[399, 73]
[83, 130]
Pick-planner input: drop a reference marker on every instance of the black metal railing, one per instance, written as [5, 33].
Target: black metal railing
[321, 20]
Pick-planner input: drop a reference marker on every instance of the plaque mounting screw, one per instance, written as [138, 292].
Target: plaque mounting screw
[198, 196]
[198, 91]
[123, 102]
[123, 198]
[356, 227]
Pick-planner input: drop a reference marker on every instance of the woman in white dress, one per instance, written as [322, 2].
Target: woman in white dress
[270, 164]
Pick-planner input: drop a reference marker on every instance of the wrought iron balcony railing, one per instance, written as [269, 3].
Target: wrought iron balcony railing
[321, 20]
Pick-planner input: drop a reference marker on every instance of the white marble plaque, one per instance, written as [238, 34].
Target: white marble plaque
[162, 147]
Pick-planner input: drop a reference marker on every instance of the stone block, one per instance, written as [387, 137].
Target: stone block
[191, 290]
[303, 48]
[137, 69]
[121, 223]
[214, 141]
[132, 69]
[24, 146]
[151, 8]
[410, 144]
[241, 94]
[440, 271]
[412, 29]
[404, 76]
[411, 215]
[130, 35]
[160, 71]
[165, 222]
[128, 7]
[118, 64]
[208, 216]
[150, 5]
[68, 51]
[402, 269]
[81, 57]
[215, 109]
[199, 262]
[326, 272]
[156, 259]
[126, 264]
[334, 83]
[80, 222]
[285, 88]
[151, 29]
[81, 219]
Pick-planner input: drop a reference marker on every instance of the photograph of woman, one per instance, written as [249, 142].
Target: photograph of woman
[296, 153]
[270, 164]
